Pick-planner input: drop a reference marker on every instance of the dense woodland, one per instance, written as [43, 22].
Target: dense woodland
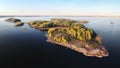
[55, 22]
[68, 34]
[70, 30]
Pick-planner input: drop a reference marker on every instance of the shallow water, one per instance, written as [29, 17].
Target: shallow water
[27, 46]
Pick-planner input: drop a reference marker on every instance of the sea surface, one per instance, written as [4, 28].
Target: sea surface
[27, 47]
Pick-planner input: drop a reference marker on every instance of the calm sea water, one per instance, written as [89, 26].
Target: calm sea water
[27, 46]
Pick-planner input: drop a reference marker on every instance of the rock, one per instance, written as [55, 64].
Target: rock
[99, 52]
[111, 22]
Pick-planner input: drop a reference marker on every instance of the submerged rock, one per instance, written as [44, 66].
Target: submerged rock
[13, 20]
[111, 22]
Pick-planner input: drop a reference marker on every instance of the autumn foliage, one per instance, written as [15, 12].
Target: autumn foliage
[75, 32]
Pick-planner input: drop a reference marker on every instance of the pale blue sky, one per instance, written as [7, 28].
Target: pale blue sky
[59, 7]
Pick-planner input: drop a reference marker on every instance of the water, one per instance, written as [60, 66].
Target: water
[27, 46]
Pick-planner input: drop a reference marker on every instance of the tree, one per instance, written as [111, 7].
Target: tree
[50, 32]
[77, 26]
[88, 35]
[72, 32]
[64, 39]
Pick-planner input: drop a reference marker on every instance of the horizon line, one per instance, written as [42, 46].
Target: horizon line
[62, 15]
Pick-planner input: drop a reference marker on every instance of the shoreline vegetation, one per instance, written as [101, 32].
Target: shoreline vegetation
[72, 34]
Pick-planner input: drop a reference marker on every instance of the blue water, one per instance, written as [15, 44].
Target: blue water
[27, 46]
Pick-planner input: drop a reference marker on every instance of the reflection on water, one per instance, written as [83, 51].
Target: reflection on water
[26, 45]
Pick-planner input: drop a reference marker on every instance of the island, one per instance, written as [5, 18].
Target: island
[54, 23]
[72, 34]
[12, 20]
[17, 24]
[83, 21]
[83, 40]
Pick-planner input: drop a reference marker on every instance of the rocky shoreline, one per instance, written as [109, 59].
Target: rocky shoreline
[97, 52]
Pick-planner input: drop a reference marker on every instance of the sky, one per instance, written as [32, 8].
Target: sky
[60, 7]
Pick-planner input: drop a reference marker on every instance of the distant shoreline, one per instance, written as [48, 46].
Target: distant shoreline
[53, 16]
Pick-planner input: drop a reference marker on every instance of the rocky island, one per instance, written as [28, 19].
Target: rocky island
[54, 23]
[83, 40]
[19, 24]
[72, 34]
[13, 20]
